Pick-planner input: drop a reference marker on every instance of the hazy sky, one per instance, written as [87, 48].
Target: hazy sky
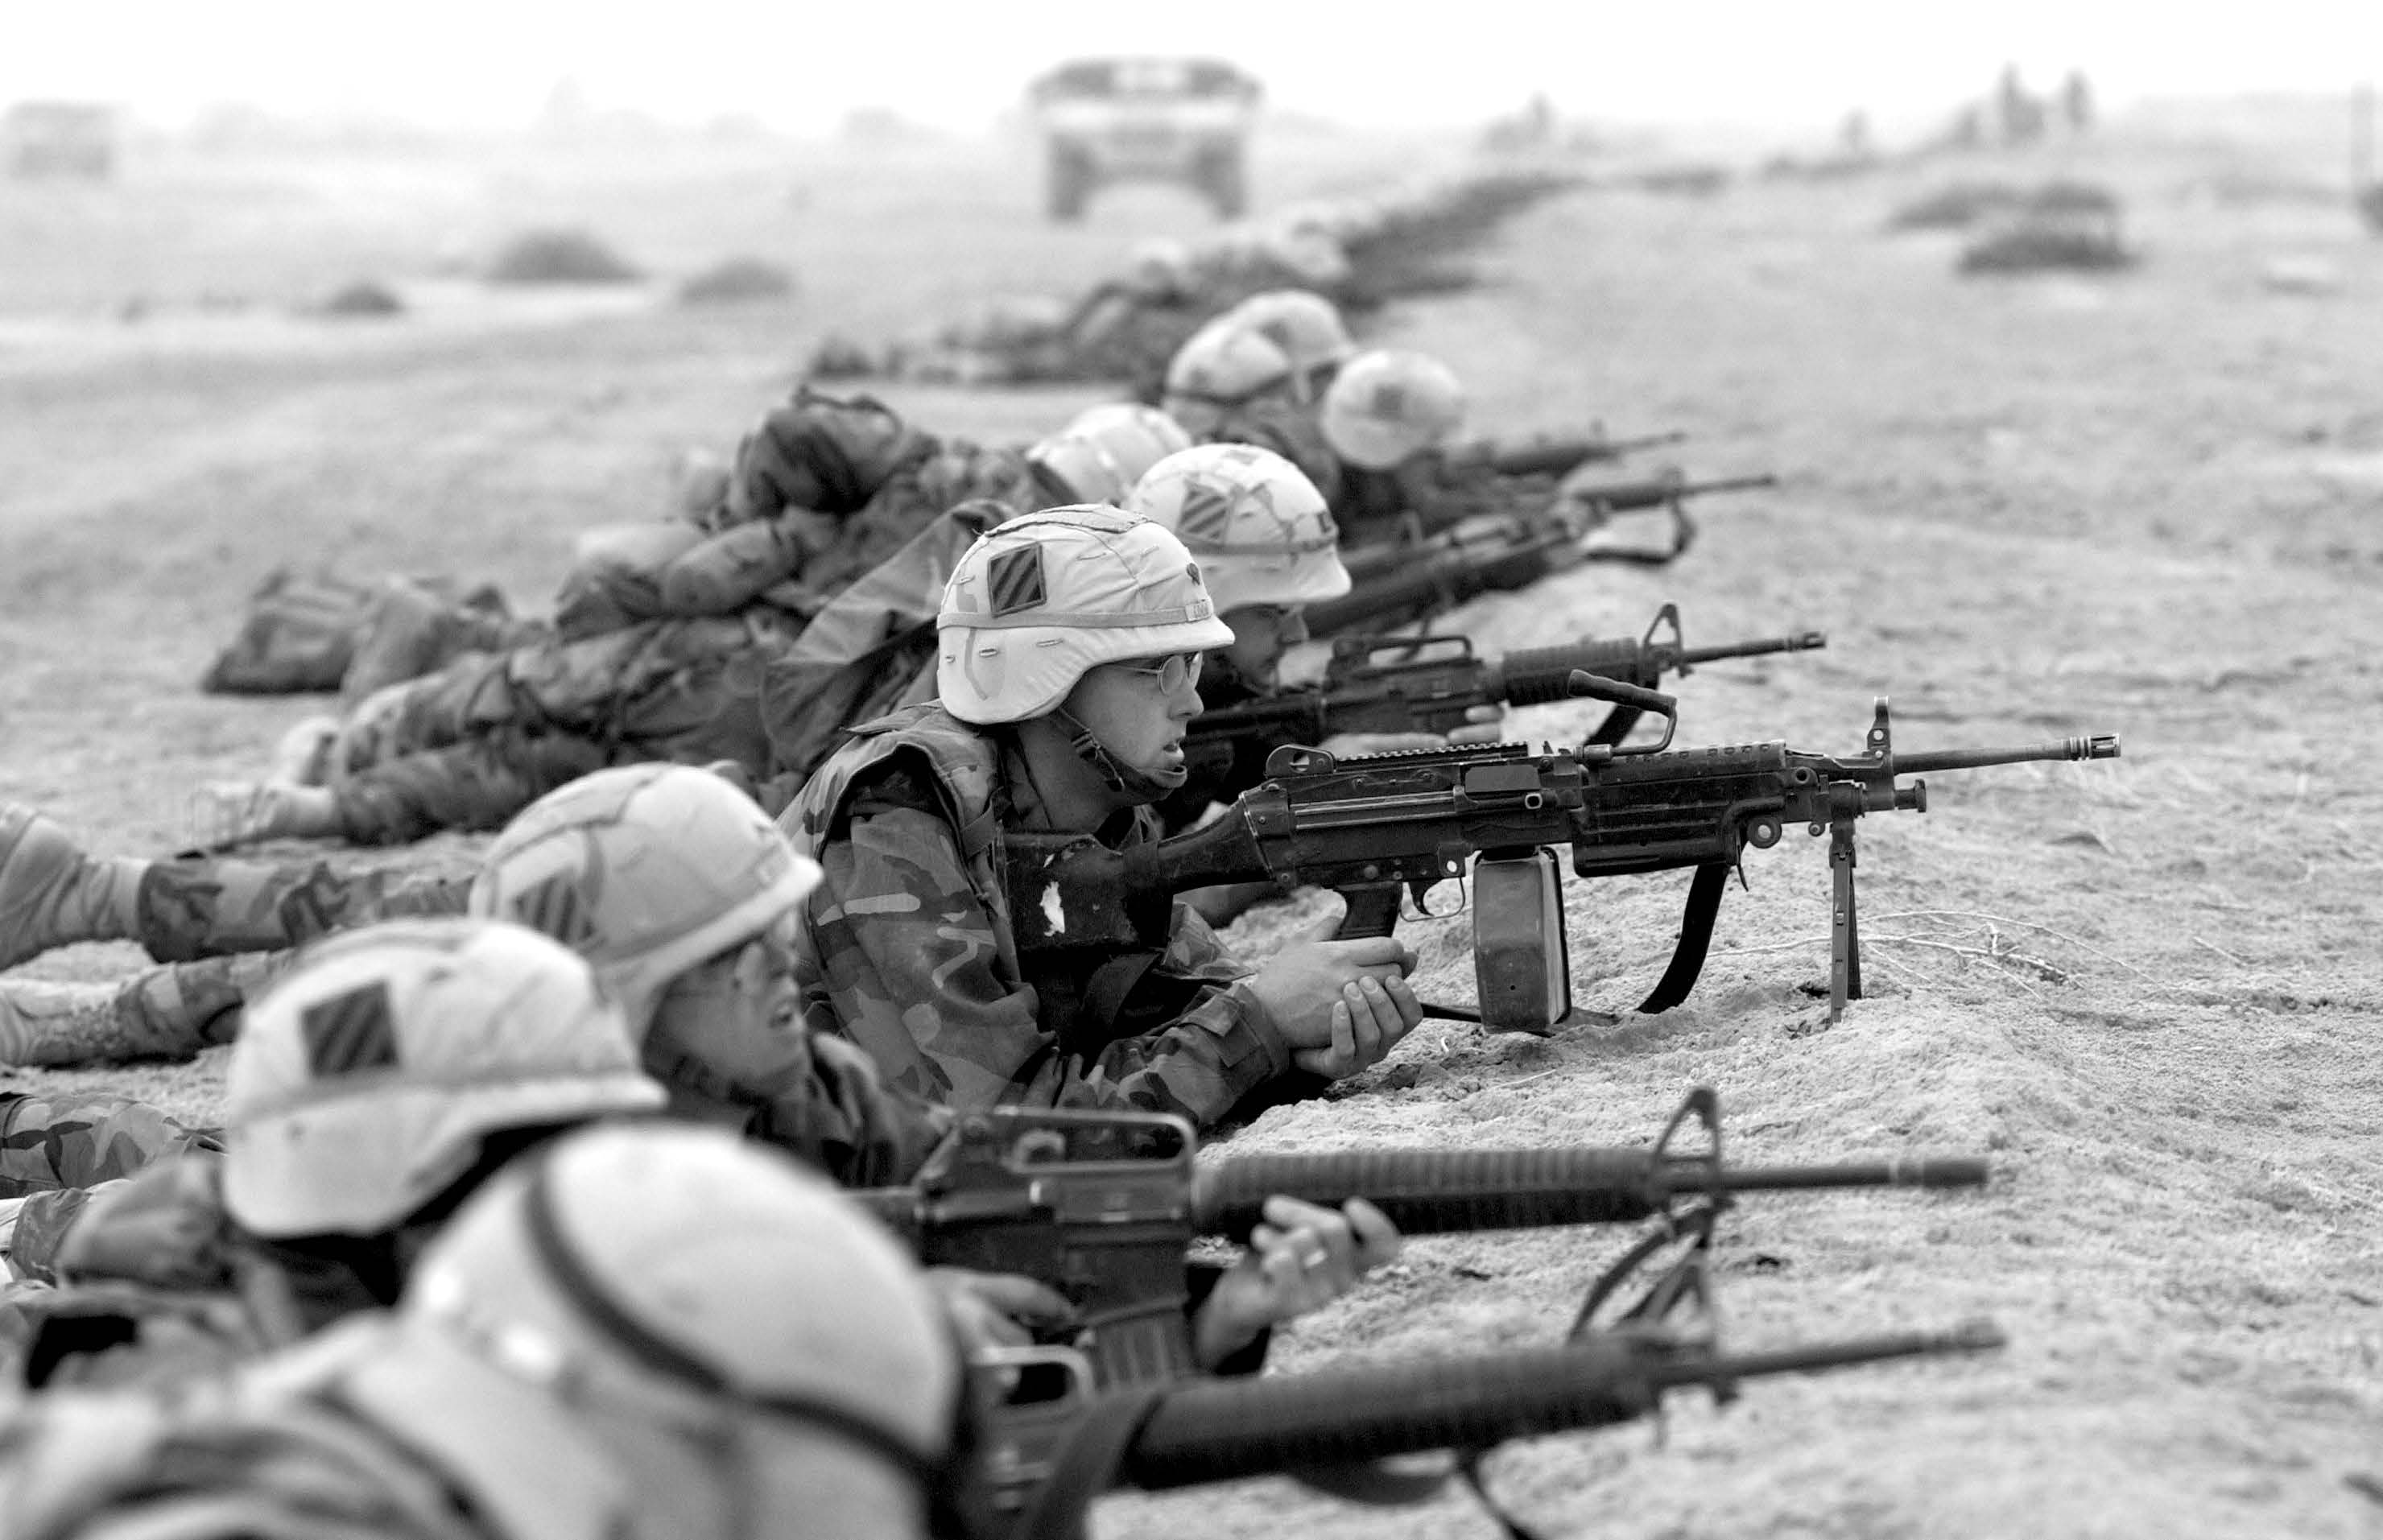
[803, 64]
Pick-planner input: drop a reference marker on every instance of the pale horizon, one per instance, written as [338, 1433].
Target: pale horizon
[494, 65]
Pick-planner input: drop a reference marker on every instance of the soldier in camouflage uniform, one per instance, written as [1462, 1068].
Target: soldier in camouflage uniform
[1390, 416]
[669, 634]
[691, 949]
[642, 1331]
[387, 1077]
[1068, 658]
[1268, 548]
[1232, 384]
[55, 1148]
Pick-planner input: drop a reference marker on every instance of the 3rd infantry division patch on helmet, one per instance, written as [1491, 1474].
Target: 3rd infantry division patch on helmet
[1014, 580]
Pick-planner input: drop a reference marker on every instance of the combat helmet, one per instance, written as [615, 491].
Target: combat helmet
[1387, 405]
[1307, 326]
[1258, 527]
[764, 1358]
[1104, 450]
[365, 1083]
[645, 870]
[1222, 366]
[1038, 601]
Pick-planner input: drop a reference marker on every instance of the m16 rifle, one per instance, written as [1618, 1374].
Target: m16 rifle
[1555, 455]
[1434, 684]
[1051, 1445]
[1213, 1430]
[1577, 508]
[1391, 583]
[1376, 827]
[1101, 1206]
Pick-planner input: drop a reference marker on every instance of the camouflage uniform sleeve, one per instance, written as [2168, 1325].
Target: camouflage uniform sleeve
[881, 1136]
[908, 966]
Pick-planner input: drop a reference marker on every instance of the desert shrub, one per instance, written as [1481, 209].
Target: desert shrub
[2370, 206]
[1954, 207]
[736, 281]
[1693, 180]
[2038, 244]
[2067, 197]
[364, 298]
[560, 256]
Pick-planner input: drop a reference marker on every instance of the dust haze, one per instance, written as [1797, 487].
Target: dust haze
[2142, 496]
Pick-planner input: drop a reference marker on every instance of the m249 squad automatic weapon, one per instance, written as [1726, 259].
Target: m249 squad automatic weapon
[1377, 827]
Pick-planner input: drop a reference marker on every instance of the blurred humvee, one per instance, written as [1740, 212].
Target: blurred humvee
[1184, 120]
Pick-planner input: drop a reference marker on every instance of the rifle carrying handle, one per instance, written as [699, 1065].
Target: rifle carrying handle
[1581, 682]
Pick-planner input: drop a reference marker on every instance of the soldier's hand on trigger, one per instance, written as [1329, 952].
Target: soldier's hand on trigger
[998, 1309]
[1301, 1258]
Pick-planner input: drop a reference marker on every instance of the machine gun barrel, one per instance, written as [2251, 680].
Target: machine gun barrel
[2100, 746]
[1452, 1191]
[1221, 1430]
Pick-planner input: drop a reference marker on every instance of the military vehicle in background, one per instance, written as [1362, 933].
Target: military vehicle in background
[69, 140]
[1184, 120]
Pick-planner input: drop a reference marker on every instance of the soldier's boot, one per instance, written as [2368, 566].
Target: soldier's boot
[53, 893]
[170, 1011]
[301, 755]
[228, 813]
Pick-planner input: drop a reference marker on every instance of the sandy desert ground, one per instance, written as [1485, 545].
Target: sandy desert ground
[2150, 504]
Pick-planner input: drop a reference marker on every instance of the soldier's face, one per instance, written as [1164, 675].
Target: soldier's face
[748, 988]
[1138, 708]
[1261, 633]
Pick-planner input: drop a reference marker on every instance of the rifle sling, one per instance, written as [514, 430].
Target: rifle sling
[1696, 934]
[1087, 1464]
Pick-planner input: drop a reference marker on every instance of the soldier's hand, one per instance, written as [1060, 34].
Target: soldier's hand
[1301, 986]
[998, 1309]
[1484, 723]
[1302, 1256]
[1366, 1023]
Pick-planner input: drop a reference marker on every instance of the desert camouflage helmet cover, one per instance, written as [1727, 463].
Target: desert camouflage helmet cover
[364, 1083]
[1304, 324]
[1258, 527]
[669, 1267]
[1040, 600]
[1387, 405]
[1225, 363]
[1100, 454]
[645, 870]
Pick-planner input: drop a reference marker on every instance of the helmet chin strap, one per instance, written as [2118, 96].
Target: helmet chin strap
[1130, 780]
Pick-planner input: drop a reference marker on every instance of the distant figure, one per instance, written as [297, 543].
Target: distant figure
[2077, 102]
[1853, 136]
[2022, 115]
